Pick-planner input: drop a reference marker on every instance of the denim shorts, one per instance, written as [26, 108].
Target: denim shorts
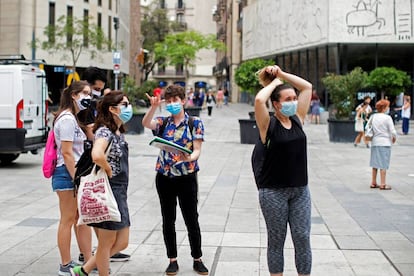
[61, 179]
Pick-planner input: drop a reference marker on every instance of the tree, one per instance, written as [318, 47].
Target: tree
[71, 36]
[342, 90]
[155, 25]
[389, 81]
[245, 75]
[180, 49]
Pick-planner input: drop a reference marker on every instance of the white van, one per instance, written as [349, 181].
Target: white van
[23, 110]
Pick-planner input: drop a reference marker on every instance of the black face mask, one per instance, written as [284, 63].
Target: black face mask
[86, 102]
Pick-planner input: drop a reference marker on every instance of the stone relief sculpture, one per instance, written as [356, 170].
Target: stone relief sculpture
[365, 15]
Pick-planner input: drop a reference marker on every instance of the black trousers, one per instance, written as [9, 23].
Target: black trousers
[185, 188]
[209, 110]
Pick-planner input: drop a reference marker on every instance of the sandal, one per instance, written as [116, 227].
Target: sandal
[374, 185]
[385, 187]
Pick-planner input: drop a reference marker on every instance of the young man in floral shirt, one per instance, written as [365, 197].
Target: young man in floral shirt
[177, 173]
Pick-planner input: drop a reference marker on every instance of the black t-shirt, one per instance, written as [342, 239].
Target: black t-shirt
[286, 162]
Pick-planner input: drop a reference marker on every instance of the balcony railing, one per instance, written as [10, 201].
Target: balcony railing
[168, 73]
[180, 9]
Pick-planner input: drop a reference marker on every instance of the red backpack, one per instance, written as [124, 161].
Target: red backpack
[50, 155]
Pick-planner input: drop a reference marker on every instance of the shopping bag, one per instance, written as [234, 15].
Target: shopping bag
[369, 131]
[96, 202]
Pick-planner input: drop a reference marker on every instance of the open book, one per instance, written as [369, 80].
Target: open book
[168, 146]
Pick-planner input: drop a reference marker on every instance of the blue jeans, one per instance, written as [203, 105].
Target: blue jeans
[405, 125]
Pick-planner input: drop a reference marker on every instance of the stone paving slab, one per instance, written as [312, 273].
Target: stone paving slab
[355, 230]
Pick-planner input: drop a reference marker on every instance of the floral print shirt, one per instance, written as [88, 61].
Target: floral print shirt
[115, 154]
[168, 163]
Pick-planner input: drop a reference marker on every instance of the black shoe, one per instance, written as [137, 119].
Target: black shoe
[200, 268]
[119, 257]
[172, 268]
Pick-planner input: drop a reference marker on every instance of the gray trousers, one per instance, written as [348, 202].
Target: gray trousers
[280, 207]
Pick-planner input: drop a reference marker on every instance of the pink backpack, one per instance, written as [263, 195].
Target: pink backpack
[50, 155]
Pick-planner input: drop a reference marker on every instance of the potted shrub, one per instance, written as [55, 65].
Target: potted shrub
[246, 79]
[342, 91]
[136, 96]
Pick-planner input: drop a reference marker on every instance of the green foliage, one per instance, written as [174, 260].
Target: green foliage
[71, 36]
[342, 90]
[389, 81]
[182, 48]
[246, 77]
[136, 93]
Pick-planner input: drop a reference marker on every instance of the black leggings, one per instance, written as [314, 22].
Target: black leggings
[280, 207]
[185, 188]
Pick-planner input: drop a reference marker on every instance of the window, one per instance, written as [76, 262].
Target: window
[87, 1]
[85, 28]
[109, 4]
[179, 69]
[69, 21]
[100, 3]
[52, 22]
[162, 4]
[109, 32]
[180, 4]
[99, 38]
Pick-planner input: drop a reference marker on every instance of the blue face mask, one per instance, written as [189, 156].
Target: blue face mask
[289, 108]
[173, 108]
[126, 113]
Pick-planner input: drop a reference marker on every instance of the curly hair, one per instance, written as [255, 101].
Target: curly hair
[105, 117]
[174, 90]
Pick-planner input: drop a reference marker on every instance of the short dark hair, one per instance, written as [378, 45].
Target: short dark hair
[174, 90]
[92, 74]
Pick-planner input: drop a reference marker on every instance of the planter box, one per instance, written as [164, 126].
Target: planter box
[249, 133]
[134, 126]
[342, 131]
[193, 111]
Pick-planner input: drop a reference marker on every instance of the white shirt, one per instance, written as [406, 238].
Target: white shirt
[383, 128]
[406, 113]
[66, 128]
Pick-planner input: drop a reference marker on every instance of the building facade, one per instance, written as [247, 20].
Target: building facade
[23, 21]
[311, 38]
[228, 15]
[191, 15]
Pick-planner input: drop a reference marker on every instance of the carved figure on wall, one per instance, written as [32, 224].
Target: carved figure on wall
[365, 15]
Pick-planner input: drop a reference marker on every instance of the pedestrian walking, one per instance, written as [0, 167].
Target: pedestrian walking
[406, 114]
[69, 137]
[220, 97]
[176, 176]
[315, 108]
[226, 96]
[114, 111]
[384, 135]
[211, 101]
[361, 119]
[283, 191]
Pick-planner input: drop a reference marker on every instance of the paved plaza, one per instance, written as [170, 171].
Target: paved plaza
[355, 230]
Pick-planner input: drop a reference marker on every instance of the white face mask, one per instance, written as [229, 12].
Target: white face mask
[96, 93]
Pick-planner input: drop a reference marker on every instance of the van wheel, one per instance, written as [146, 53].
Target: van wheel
[8, 158]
